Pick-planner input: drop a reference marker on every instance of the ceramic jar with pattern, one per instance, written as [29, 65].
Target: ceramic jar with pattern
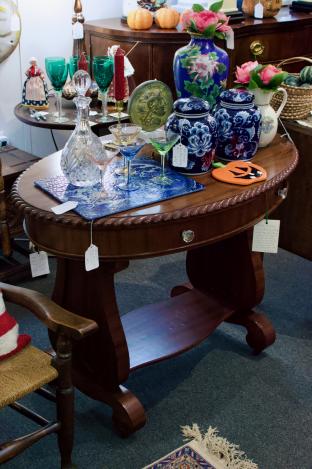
[239, 125]
[192, 120]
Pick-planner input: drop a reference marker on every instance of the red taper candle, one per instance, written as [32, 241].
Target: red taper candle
[83, 64]
[119, 75]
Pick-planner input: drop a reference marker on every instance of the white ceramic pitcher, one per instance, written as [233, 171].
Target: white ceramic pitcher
[269, 116]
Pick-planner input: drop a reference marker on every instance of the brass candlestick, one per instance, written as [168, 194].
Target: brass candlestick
[119, 108]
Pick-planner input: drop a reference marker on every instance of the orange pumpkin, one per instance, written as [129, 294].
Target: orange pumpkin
[140, 19]
[167, 18]
[240, 172]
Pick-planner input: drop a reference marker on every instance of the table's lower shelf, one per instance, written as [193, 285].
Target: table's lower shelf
[162, 330]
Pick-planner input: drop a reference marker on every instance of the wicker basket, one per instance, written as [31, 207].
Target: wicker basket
[299, 100]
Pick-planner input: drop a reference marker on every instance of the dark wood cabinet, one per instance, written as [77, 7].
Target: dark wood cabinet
[286, 35]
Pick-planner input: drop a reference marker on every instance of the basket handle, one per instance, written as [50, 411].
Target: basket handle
[294, 59]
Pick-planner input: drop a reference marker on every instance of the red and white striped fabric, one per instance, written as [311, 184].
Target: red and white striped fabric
[11, 341]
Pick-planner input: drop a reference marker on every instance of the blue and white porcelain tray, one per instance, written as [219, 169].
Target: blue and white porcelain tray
[95, 203]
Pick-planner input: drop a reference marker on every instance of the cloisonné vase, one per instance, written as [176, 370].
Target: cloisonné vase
[239, 125]
[200, 69]
[192, 120]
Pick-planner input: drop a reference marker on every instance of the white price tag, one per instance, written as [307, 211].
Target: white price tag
[258, 12]
[265, 236]
[230, 39]
[180, 156]
[77, 30]
[39, 263]
[129, 70]
[65, 207]
[92, 258]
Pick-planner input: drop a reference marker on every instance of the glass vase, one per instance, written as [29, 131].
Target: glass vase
[79, 156]
[200, 69]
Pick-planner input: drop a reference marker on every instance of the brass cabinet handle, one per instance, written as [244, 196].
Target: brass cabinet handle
[188, 236]
[256, 48]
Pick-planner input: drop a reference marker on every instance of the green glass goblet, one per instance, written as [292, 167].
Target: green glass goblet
[103, 72]
[163, 143]
[57, 71]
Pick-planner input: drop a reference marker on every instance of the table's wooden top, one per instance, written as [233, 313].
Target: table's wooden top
[69, 110]
[279, 159]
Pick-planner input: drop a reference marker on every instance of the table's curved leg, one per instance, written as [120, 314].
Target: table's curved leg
[101, 362]
[232, 272]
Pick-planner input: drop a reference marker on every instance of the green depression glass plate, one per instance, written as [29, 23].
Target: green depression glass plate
[150, 105]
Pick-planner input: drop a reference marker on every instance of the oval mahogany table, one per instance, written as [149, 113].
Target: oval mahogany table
[214, 226]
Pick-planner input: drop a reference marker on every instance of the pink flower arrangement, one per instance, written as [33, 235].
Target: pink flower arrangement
[252, 75]
[208, 23]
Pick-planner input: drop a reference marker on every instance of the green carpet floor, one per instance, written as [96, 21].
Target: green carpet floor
[262, 403]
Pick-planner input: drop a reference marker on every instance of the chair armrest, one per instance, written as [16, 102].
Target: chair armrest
[55, 317]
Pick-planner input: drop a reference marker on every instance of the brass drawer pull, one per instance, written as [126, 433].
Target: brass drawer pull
[188, 236]
[256, 48]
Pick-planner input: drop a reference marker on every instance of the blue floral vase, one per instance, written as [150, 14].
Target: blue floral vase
[239, 125]
[200, 69]
[192, 120]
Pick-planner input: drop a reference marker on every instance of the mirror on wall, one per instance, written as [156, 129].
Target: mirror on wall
[10, 28]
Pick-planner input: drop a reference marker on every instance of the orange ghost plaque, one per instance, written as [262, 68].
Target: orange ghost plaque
[240, 172]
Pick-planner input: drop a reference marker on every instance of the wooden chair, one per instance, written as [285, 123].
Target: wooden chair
[31, 368]
[11, 269]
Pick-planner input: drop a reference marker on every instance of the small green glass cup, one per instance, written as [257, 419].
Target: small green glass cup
[57, 71]
[103, 72]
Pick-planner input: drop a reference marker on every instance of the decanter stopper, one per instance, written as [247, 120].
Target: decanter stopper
[81, 82]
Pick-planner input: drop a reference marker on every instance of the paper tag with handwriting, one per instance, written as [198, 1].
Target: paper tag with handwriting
[230, 39]
[39, 263]
[180, 156]
[77, 30]
[92, 258]
[258, 13]
[265, 236]
[65, 207]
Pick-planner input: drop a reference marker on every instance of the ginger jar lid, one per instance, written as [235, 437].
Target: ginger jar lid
[191, 106]
[237, 96]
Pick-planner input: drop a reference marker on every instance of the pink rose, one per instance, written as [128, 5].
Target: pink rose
[267, 73]
[204, 19]
[185, 19]
[243, 73]
[223, 21]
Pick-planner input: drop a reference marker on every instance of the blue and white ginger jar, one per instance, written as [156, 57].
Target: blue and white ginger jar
[239, 125]
[192, 120]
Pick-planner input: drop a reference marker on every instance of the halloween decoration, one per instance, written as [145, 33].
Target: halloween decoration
[242, 173]
[167, 18]
[140, 19]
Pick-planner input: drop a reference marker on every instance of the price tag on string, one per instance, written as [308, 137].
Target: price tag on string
[77, 30]
[180, 156]
[92, 260]
[39, 263]
[65, 207]
[258, 12]
[265, 236]
[230, 39]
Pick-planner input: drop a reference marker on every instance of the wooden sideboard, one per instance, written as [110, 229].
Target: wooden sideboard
[286, 35]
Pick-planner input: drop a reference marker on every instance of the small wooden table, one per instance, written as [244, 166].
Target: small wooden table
[69, 110]
[226, 278]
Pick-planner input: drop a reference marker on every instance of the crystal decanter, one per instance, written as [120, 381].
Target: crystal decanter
[79, 156]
